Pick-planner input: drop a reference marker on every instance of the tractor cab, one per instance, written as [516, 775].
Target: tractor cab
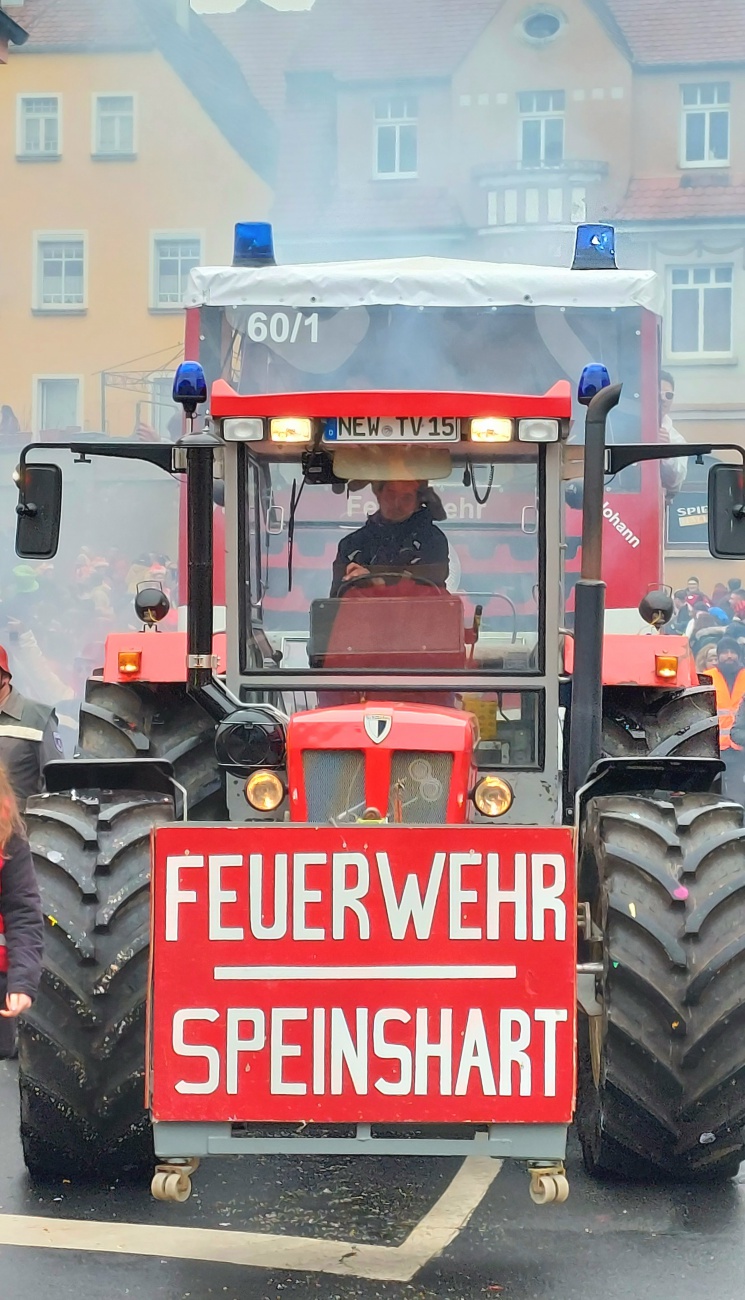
[391, 550]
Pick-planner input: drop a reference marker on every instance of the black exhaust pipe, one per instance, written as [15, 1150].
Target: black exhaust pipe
[585, 735]
[201, 682]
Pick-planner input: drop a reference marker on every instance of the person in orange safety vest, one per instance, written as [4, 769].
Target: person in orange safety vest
[728, 679]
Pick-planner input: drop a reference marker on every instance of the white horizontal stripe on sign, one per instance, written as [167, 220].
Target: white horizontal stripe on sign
[366, 972]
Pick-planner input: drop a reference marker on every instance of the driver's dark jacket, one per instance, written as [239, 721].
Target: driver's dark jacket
[415, 544]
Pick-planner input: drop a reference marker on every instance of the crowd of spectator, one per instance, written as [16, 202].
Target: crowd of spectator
[705, 619]
[715, 628]
[55, 617]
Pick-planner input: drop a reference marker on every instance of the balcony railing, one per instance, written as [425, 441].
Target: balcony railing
[519, 194]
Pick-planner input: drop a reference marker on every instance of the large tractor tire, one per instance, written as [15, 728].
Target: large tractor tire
[662, 1069]
[141, 720]
[660, 724]
[81, 1057]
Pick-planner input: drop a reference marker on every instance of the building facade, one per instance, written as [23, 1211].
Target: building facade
[490, 128]
[129, 145]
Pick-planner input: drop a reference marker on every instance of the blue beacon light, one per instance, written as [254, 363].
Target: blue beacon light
[595, 249]
[593, 378]
[254, 244]
[190, 386]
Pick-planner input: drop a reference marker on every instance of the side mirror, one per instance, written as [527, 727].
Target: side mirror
[727, 512]
[39, 512]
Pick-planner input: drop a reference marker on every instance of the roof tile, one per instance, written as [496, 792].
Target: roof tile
[262, 40]
[96, 24]
[679, 32]
[360, 40]
[669, 198]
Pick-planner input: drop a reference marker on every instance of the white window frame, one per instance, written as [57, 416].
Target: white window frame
[700, 355]
[56, 237]
[96, 98]
[707, 110]
[397, 122]
[162, 237]
[543, 116]
[21, 151]
[36, 401]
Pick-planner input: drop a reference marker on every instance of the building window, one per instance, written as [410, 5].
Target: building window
[39, 126]
[396, 127]
[174, 258]
[542, 127]
[706, 125]
[114, 125]
[701, 311]
[60, 275]
[57, 404]
[542, 25]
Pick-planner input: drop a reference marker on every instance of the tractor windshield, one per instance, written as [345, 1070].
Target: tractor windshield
[459, 349]
[409, 571]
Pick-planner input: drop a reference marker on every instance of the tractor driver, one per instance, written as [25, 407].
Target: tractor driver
[401, 535]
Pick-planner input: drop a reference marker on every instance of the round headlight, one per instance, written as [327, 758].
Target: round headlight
[264, 791]
[493, 796]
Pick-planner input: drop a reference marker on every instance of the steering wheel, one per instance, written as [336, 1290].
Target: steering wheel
[347, 583]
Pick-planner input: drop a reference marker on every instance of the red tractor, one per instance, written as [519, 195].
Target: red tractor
[402, 900]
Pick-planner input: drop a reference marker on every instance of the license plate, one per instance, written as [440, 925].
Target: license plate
[407, 428]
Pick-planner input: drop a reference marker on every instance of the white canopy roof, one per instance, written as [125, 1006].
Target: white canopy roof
[421, 282]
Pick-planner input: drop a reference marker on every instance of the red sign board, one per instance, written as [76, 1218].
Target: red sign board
[379, 974]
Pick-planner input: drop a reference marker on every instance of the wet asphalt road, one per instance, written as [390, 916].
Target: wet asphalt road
[608, 1243]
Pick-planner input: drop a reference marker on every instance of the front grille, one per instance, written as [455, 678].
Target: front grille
[421, 782]
[334, 784]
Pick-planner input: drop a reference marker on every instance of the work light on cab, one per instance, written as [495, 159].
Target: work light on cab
[243, 430]
[129, 663]
[493, 796]
[190, 386]
[491, 428]
[538, 431]
[595, 249]
[253, 244]
[264, 791]
[593, 378]
[666, 666]
[291, 430]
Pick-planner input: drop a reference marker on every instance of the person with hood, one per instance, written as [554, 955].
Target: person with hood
[728, 679]
[21, 921]
[401, 536]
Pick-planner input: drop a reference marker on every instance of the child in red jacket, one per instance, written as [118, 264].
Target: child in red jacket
[21, 920]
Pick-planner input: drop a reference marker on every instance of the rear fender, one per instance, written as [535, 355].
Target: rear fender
[153, 775]
[631, 661]
[162, 656]
[644, 776]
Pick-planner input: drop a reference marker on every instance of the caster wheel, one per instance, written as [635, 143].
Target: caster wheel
[562, 1189]
[171, 1187]
[543, 1190]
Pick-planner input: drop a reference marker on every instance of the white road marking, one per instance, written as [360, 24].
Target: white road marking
[365, 972]
[439, 1227]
